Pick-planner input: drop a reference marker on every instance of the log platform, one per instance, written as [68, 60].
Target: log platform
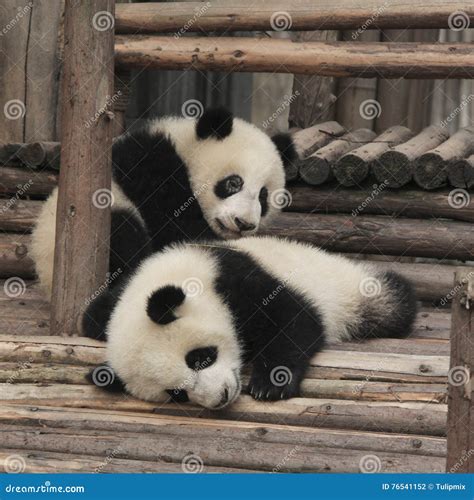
[380, 404]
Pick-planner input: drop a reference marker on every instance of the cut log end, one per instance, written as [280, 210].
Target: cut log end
[315, 171]
[430, 171]
[394, 169]
[461, 173]
[351, 170]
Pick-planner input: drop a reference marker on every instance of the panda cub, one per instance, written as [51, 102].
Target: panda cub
[192, 314]
[179, 179]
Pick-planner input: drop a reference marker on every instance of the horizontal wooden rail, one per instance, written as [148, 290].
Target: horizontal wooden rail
[339, 59]
[373, 235]
[251, 15]
[374, 200]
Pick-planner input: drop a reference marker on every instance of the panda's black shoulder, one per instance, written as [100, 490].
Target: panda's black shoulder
[141, 148]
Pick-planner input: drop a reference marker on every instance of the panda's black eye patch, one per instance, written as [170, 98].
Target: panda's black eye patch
[228, 186]
[202, 358]
[263, 199]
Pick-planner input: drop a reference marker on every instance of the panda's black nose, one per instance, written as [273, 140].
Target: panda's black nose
[244, 225]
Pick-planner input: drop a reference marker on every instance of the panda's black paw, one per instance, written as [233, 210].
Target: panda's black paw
[273, 384]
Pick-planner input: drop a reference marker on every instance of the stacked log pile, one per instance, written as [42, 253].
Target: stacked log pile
[432, 159]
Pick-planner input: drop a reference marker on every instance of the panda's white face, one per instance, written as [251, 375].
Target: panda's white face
[170, 332]
[233, 177]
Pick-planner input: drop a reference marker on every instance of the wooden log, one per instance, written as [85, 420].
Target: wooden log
[247, 15]
[37, 183]
[397, 165]
[377, 234]
[310, 139]
[374, 200]
[41, 373]
[14, 258]
[318, 168]
[18, 215]
[431, 168]
[33, 154]
[184, 427]
[460, 382]
[461, 173]
[217, 452]
[82, 224]
[367, 60]
[353, 167]
[41, 462]
[410, 418]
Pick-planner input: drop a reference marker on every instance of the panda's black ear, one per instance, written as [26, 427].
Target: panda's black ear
[163, 302]
[286, 148]
[216, 123]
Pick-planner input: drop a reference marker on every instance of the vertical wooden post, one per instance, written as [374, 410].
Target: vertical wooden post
[83, 213]
[460, 391]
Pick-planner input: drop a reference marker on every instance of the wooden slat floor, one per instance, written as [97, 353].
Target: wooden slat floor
[373, 406]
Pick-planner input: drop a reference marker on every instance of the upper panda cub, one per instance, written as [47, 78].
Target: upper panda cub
[181, 180]
[192, 314]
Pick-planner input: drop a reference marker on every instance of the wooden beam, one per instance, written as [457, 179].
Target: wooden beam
[82, 223]
[243, 15]
[378, 235]
[35, 182]
[375, 200]
[367, 60]
[460, 382]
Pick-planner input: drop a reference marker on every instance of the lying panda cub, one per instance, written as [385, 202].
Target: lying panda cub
[178, 179]
[193, 314]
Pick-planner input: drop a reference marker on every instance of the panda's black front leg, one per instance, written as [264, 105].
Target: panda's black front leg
[273, 381]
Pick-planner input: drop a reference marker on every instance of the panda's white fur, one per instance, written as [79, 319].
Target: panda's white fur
[44, 233]
[159, 173]
[225, 307]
